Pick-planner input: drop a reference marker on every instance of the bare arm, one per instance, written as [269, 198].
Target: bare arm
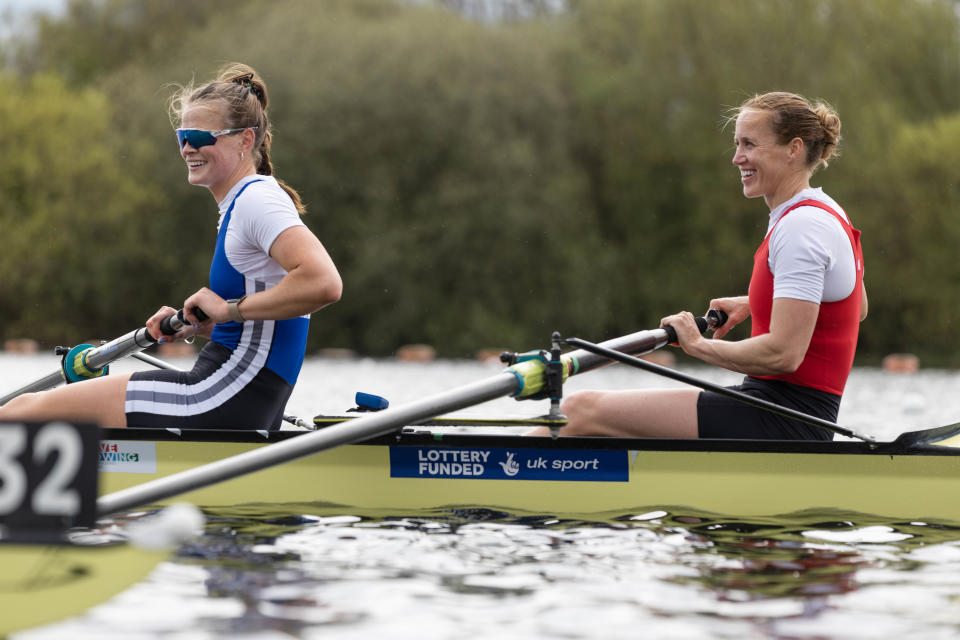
[779, 351]
[863, 304]
[312, 282]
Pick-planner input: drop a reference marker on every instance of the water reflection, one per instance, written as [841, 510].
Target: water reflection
[297, 568]
[317, 570]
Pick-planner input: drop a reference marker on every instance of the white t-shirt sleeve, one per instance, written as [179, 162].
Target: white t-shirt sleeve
[259, 215]
[811, 258]
[274, 216]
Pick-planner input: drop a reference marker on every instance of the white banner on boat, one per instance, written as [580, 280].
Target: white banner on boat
[118, 456]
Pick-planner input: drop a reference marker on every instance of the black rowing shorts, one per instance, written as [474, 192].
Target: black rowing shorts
[213, 395]
[722, 417]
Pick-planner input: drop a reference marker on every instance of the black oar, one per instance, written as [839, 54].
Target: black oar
[924, 437]
[522, 380]
[87, 361]
[323, 421]
[605, 352]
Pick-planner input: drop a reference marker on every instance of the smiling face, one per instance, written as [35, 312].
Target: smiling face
[217, 166]
[767, 168]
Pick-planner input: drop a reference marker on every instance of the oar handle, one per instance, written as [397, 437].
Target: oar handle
[714, 318]
[173, 323]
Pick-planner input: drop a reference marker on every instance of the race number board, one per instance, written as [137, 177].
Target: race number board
[48, 478]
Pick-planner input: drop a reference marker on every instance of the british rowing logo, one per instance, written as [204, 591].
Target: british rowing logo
[128, 457]
[110, 452]
[515, 464]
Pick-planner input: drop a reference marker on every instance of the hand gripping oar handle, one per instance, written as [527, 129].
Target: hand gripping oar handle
[714, 318]
[137, 340]
[173, 323]
[134, 342]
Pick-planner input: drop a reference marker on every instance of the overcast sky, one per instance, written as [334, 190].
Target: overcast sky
[27, 5]
[12, 12]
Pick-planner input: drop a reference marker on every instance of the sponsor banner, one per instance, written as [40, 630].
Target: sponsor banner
[121, 456]
[496, 463]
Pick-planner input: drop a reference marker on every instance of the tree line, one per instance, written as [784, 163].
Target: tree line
[479, 183]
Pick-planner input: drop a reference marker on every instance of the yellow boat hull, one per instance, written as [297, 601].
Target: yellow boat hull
[746, 478]
[41, 584]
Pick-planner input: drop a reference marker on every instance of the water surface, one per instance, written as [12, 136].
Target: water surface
[320, 571]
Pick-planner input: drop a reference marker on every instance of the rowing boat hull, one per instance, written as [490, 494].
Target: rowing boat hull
[747, 478]
[604, 479]
[45, 583]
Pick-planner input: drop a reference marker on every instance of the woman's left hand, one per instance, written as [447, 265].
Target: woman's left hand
[686, 327]
[211, 304]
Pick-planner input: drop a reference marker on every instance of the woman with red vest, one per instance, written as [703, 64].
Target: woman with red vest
[806, 299]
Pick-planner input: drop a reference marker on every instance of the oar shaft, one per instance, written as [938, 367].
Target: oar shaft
[532, 372]
[133, 342]
[526, 378]
[99, 357]
[641, 342]
[157, 362]
[96, 358]
[47, 382]
[322, 421]
[606, 353]
[369, 426]
[636, 344]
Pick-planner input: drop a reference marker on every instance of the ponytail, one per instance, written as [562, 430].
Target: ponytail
[245, 97]
[817, 124]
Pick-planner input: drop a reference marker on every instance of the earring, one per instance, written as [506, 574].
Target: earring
[241, 155]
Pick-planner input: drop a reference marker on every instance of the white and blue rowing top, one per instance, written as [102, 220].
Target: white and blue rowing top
[253, 356]
[253, 213]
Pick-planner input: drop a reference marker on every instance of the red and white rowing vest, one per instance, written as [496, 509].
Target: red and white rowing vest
[829, 357]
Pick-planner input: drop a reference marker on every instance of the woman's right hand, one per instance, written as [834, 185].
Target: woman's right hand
[737, 310]
[153, 325]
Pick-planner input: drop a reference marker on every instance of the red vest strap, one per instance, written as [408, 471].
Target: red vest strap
[833, 345]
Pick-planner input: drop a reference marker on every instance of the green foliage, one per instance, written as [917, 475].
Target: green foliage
[96, 37]
[64, 205]
[914, 232]
[439, 182]
[482, 183]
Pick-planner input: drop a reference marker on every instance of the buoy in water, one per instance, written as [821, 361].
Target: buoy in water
[416, 353]
[901, 363]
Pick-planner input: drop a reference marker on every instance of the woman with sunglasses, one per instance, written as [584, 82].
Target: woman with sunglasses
[269, 273]
[806, 299]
